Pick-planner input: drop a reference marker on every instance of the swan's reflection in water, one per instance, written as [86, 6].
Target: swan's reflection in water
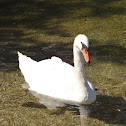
[81, 111]
[84, 112]
[52, 103]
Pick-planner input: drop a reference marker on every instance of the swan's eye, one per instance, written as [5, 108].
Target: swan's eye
[84, 46]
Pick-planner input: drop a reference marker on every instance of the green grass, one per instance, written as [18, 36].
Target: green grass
[42, 28]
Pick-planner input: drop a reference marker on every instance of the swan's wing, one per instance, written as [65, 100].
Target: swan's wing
[48, 76]
[56, 75]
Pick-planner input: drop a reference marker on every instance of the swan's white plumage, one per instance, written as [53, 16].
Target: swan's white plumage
[55, 78]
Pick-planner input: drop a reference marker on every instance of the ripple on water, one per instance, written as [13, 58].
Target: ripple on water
[50, 48]
[6, 35]
[8, 66]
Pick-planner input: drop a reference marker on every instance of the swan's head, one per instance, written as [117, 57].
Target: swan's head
[82, 43]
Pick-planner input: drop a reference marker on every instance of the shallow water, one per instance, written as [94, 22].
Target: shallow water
[43, 28]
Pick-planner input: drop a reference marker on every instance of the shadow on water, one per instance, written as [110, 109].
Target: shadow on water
[17, 16]
[38, 14]
[9, 59]
[103, 53]
[111, 110]
[108, 52]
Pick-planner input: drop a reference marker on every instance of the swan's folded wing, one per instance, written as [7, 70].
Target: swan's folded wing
[50, 77]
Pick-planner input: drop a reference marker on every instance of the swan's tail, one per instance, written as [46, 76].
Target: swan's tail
[21, 60]
[19, 54]
[26, 65]
[25, 61]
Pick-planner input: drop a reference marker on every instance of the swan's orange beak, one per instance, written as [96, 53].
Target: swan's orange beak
[86, 55]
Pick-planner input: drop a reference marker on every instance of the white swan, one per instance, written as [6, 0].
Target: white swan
[55, 78]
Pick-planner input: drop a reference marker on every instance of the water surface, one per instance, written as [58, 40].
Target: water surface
[43, 28]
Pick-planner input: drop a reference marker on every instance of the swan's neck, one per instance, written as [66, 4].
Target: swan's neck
[79, 68]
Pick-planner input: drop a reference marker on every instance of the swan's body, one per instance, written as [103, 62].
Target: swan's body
[55, 78]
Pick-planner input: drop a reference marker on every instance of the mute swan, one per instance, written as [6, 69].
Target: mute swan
[57, 79]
